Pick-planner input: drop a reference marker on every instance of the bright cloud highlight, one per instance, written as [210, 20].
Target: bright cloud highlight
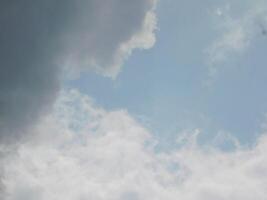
[83, 152]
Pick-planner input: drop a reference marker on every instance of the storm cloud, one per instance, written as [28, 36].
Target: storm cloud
[43, 40]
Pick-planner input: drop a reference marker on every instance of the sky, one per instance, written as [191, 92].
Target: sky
[133, 100]
[177, 89]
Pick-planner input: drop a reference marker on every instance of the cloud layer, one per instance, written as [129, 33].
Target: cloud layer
[40, 39]
[84, 152]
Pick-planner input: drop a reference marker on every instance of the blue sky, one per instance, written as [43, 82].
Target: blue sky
[170, 86]
[133, 100]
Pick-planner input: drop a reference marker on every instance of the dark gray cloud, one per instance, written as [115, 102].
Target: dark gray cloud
[39, 38]
[28, 76]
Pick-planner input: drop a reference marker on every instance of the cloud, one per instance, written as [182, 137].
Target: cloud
[237, 30]
[115, 28]
[40, 39]
[81, 151]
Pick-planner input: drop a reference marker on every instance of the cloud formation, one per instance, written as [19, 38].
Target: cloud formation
[40, 39]
[81, 151]
[237, 28]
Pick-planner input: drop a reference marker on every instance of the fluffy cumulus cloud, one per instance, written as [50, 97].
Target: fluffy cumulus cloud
[40, 39]
[239, 24]
[83, 152]
[79, 151]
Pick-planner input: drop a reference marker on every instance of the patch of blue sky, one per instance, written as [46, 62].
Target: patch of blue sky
[165, 87]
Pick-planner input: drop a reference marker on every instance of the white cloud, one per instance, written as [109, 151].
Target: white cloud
[83, 152]
[106, 32]
[237, 30]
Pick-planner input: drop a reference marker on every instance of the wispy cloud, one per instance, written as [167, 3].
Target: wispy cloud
[237, 30]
